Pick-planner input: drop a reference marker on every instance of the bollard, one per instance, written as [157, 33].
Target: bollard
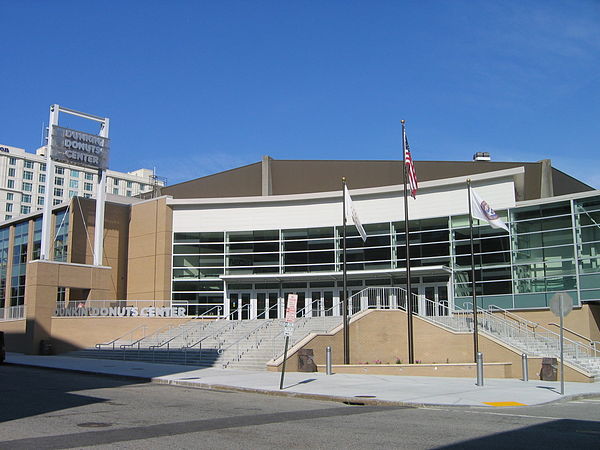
[479, 369]
[525, 366]
[328, 361]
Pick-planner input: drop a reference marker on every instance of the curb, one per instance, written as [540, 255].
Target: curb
[352, 401]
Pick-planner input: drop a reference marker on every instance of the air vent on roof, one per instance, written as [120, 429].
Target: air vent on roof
[482, 156]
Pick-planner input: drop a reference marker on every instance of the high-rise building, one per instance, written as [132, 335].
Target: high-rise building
[23, 182]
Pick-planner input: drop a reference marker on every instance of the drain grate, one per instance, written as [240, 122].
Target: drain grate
[94, 424]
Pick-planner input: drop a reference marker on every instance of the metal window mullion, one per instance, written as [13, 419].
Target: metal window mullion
[576, 251]
[281, 252]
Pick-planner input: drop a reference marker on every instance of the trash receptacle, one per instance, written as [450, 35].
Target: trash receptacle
[549, 369]
[45, 347]
[305, 360]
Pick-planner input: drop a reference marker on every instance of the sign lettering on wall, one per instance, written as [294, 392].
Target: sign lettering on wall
[128, 311]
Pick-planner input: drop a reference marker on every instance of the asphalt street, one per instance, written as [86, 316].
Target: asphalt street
[42, 409]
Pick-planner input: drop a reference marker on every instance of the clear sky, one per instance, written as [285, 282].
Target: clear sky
[195, 87]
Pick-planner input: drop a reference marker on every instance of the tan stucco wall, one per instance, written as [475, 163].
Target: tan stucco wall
[42, 280]
[381, 336]
[491, 370]
[115, 241]
[72, 333]
[150, 246]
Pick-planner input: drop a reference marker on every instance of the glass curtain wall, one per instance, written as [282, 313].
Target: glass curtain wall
[4, 238]
[199, 258]
[587, 217]
[551, 247]
[61, 234]
[19, 264]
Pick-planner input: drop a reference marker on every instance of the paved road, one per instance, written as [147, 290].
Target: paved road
[52, 409]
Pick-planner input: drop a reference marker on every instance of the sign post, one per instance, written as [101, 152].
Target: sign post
[561, 304]
[288, 328]
[79, 149]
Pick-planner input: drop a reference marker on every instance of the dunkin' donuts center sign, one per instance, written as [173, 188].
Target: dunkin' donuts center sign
[127, 311]
[78, 148]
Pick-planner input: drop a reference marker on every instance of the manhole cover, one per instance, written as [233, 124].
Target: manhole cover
[364, 396]
[94, 424]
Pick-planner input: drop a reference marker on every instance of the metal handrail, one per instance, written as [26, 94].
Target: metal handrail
[245, 337]
[157, 332]
[204, 314]
[514, 316]
[168, 328]
[209, 336]
[293, 341]
[592, 342]
[574, 350]
[268, 323]
[99, 345]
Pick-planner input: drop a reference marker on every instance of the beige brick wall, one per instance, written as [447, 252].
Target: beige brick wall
[150, 246]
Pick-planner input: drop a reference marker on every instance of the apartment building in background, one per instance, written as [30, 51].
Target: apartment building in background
[23, 182]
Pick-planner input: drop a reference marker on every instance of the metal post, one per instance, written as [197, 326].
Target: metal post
[328, 370]
[479, 369]
[100, 198]
[525, 366]
[562, 365]
[47, 214]
[287, 340]
[475, 324]
[409, 308]
[346, 332]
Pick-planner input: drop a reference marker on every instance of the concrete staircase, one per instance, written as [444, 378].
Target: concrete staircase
[245, 344]
[525, 336]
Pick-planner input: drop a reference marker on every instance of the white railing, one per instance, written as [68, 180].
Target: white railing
[510, 328]
[216, 312]
[528, 336]
[12, 313]
[129, 337]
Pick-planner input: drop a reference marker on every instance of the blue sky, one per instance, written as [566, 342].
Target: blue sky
[195, 87]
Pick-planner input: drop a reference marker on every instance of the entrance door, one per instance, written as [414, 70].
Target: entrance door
[239, 305]
[266, 305]
[435, 299]
[322, 303]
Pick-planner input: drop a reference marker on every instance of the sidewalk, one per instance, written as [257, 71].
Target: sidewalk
[356, 389]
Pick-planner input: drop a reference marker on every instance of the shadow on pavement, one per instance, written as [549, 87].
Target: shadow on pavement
[563, 433]
[26, 392]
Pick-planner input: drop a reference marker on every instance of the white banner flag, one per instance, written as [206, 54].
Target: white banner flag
[481, 210]
[352, 213]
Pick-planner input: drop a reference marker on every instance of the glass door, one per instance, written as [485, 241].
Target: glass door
[322, 303]
[245, 305]
[266, 305]
[435, 299]
[239, 305]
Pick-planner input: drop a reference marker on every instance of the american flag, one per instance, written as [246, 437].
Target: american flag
[410, 169]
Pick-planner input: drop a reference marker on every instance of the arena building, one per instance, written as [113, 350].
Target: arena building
[234, 245]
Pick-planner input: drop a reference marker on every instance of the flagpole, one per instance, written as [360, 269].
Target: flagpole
[475, 326]
[409, 309]
[344, 280]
